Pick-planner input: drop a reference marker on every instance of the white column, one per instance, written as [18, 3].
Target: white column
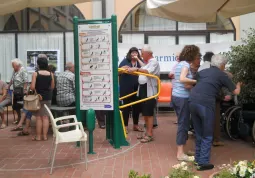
[110, 8]
[97, 9]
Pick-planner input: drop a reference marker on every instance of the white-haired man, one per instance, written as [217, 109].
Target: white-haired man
[147, 87]
[66, 86]
[202, 106]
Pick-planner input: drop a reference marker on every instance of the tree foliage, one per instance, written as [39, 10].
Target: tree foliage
[242, 66]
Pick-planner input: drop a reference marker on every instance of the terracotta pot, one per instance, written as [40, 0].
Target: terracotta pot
[214, 174]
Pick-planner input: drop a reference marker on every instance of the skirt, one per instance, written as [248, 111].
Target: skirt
[42, 111]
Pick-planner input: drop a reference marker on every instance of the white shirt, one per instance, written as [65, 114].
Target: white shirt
[205, 65]
[153, 68]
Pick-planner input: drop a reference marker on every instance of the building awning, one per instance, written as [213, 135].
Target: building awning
[199, 10]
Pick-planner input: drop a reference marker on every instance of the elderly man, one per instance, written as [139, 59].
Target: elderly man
[217, 130]
[202, 106]
[66, 87]
[147, 88]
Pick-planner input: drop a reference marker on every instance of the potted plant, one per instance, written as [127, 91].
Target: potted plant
[242, 66]
[183, 170]
[241, 169]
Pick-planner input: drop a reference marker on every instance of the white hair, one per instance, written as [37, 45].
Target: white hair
[69, 65]
[147, 48]
[218, 60]
[17, 61]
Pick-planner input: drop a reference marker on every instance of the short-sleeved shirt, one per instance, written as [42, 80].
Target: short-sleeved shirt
[179, 89]
[209, 83]
[153, 68]
[19, 78]
[4, 86]
[128, 83]
[65, 88]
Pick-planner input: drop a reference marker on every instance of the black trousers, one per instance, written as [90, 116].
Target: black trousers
[136, 109]
[100, 115]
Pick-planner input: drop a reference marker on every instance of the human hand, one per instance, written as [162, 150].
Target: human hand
[132, 69]
[135, 57]
[125, 67]
[171, 75]
[227, 98]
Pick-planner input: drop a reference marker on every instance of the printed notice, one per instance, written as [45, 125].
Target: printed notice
[95, 49]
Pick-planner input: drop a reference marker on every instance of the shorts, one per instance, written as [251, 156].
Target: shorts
[148, 106]
[28, 114]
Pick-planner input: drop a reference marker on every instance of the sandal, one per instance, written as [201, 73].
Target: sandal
[35, 139]
[15, 122]
[141, 136]
[22, 133]
[138, 129]
[3, 126]
[17, 129]
[185, 158]
[146, 139]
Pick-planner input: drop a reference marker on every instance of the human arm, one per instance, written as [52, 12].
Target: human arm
[141, 63]
[52, 86]
[183, 76]
[25, 80]
[227, 82]
[32, 86]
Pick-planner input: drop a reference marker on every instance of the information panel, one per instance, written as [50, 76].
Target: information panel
[95, 50]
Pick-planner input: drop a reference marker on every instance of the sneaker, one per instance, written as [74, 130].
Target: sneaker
[204, 167]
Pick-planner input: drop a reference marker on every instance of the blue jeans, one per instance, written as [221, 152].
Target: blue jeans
[181, 107]
[203, 121]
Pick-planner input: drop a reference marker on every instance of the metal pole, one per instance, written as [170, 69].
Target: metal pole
[116, 115]
[77, 74]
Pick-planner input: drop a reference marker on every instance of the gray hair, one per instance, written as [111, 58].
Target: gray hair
[147, 48]
[218, 60]
[42, 56]
[17, 61]
[69, 65]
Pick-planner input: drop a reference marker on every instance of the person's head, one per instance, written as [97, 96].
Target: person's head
[133, 52]
[208, 56]
[70, 66]
[191, 54]
[52, 69]
[16, 64]
[177, 56]
[147, 53]
[219, 61]
[42, 62]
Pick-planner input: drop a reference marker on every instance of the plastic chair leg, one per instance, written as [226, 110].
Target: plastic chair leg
[86, 155]
[51, 149]
[53, 158]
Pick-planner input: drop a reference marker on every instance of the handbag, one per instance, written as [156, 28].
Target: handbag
[32, 102]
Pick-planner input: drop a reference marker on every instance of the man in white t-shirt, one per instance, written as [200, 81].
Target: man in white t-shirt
[147, 87]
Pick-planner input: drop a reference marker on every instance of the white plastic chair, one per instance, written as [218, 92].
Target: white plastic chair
[70, 136]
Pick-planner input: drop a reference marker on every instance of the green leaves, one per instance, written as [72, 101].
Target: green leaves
[242, 66]
[133, 174]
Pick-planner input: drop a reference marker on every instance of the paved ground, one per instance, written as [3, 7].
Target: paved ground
[20, 157]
